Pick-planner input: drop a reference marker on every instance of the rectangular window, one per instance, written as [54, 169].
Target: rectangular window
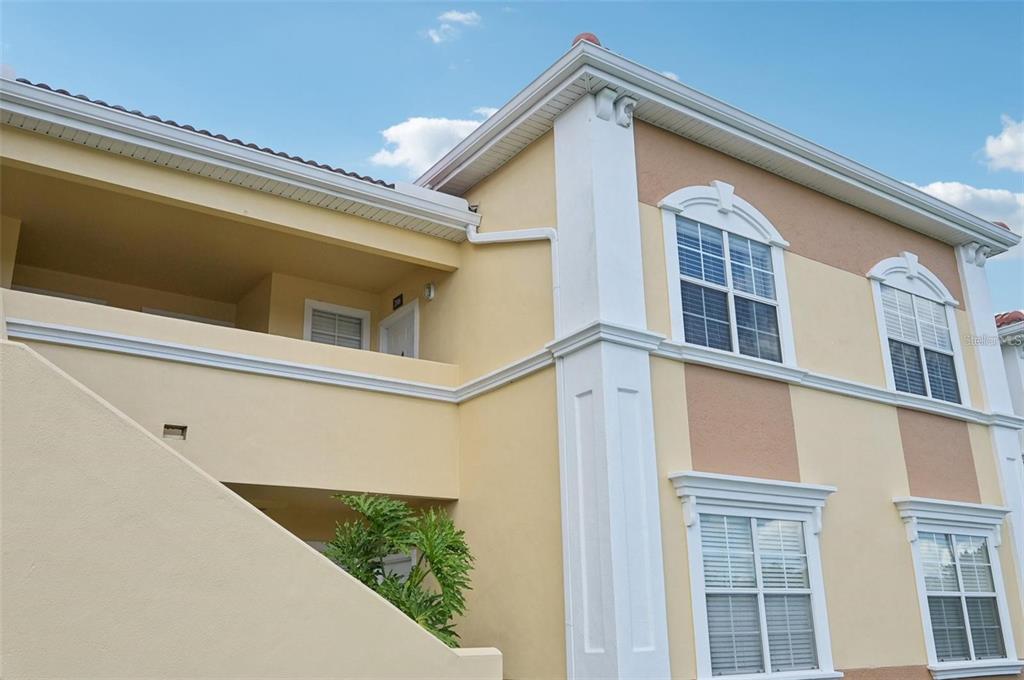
[920, 347]
[758, 592]
[962, 603]
[729, 303]
[336, 325]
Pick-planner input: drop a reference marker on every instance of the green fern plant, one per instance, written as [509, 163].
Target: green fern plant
[433, 594]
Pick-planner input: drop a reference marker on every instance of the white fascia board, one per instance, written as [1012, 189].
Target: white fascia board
[952, 513]
[1011, 331]
[875, 192]
[71, 112]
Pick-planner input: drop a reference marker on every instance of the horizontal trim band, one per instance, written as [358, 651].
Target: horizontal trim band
[647, 341]
[24, 329]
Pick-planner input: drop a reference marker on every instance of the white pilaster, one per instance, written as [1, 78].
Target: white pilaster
[971, 262]
[616, 624]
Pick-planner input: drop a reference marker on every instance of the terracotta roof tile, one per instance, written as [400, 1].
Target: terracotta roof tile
[1007, 318]
[264, 149]
[1004, 225]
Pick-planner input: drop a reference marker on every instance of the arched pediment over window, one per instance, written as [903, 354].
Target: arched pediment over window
[907, 274]
[717, 205]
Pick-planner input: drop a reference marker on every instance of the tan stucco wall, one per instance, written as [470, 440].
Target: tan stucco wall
[740, 425]
[288, 295]
[817, 226]
[938, 456]
[520, 194]
[165, 559]
[834, 323]
[866, 560]
[10, 228]
[252, 312]
[510, 508]
[122, 295]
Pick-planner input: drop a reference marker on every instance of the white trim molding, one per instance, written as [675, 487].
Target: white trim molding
[362, 314]
[960, 519]
[749, 497]
[716, 205]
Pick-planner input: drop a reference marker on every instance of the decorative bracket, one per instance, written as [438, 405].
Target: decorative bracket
[976, 253]
[816, 521]
[605, 103]
[689, 510]
[624, 107]
[911, 525]
[913, 268]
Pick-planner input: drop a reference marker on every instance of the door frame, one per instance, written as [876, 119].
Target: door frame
[398, 315]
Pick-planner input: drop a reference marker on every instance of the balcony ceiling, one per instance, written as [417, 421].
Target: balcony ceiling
[92, 231]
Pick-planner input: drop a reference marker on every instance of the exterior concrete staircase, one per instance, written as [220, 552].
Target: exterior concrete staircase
[120, 558]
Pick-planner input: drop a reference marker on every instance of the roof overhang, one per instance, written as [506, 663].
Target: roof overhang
[1010, 331]
[666, 103]
[119, 132]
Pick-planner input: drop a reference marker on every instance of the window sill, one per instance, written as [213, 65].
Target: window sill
[975, 669]
[789, 675]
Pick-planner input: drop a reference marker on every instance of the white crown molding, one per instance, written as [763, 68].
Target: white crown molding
[1010, 331]
[718, 205]
[908, 274]
[104, 128]
[950, 513]
[654, 343]
[589, 68]
[709, 490]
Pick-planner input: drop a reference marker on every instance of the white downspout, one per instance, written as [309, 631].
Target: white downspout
[520, 235]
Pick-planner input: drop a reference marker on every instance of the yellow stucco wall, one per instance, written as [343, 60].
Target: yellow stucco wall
[520, 194]
[165, 559]
[510, 508]
[288, 295]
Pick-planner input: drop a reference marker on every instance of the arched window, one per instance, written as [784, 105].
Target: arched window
[727, 284]
[917, 322]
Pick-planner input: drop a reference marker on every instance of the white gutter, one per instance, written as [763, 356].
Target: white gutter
[522, 235]
[37, 104]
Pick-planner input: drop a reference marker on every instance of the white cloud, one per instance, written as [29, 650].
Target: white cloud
[670, 74]
[417, 143]
[996, 205]
[449, 25]
[1006, 150]
[453, 16]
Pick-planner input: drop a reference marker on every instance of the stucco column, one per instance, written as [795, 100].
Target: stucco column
[614, 581]
[971, 260]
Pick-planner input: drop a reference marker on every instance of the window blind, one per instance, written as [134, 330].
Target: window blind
[758, 595]
[333, 328]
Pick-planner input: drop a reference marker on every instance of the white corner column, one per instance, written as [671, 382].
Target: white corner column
[616, 623]
[1005, 440]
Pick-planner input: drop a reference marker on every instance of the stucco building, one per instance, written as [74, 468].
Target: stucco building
[706, 397]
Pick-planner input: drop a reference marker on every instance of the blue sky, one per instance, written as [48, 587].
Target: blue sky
[929, 93]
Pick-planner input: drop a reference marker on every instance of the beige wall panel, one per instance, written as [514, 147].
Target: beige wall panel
[10, 228]
[989, 491]
[44, 154]
[867, 564]
[263, 430]
[672, 442]
[253, 309]
[656, 294]
[816, 226]
[521, 193]
[740, 425]
[938, 456]
[122, 295]
[970, 354]
[510, 507]
[834, 324]
[288, 297]
[165, 559]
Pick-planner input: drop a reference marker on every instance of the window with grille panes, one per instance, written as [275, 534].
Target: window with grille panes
[963, 605]
[332, 324]
[757, 587]
[920, 346]
[728, 290]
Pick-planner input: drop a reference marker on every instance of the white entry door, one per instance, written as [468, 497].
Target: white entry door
[399, 332]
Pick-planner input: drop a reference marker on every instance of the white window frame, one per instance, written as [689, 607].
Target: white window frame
[307, 322]
[705, 492]
[970, 519]
[717, 206]
[906, 273]
[385, 325]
